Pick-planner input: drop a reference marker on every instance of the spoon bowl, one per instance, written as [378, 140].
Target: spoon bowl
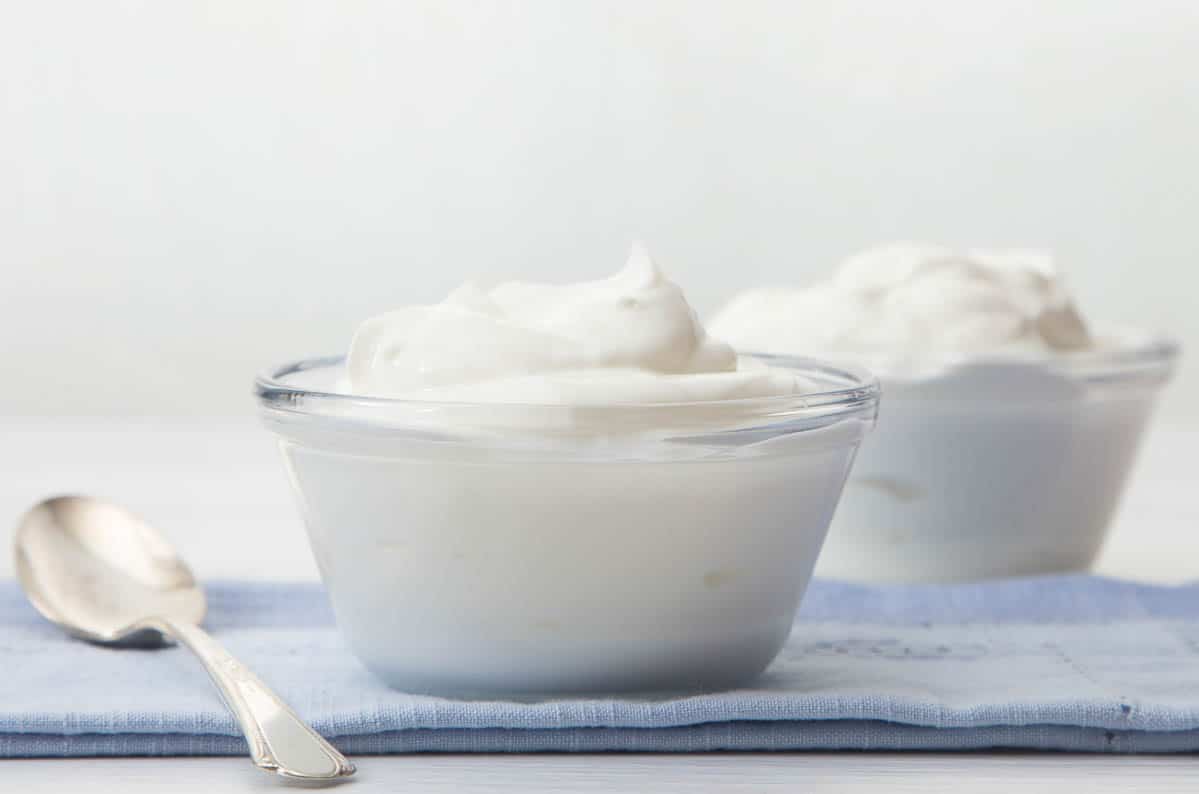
[98, 571]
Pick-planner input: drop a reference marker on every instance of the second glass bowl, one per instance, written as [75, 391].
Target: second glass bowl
[996, 468]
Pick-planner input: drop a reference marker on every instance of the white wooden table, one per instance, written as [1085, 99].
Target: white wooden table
[217, 489]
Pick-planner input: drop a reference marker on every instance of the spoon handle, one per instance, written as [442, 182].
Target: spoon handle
[279, 740]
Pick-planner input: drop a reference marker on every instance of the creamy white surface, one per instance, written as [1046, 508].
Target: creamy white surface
[895, 303]
[626, 339]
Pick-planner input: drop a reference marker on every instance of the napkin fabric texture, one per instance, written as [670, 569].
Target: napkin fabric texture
[1057, 663]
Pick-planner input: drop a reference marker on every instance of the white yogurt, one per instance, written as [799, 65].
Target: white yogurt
[482, 571]
[1009, 427]
[626, 339]
[905, 306]
[544, 489]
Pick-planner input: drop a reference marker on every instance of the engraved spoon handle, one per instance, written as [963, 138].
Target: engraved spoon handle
[279, 740]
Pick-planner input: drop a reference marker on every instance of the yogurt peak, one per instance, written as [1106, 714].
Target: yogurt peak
[628, 338]
[908, 299]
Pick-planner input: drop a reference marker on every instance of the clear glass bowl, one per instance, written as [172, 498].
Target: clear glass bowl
[485, 550]
[998, 467]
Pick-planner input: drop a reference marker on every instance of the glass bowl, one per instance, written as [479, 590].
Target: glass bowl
[1007, 466]
[484, 550]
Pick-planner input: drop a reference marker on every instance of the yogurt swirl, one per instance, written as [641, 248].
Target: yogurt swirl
[629, 338]
[899, 302]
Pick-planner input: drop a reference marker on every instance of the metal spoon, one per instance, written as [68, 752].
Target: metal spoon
[106, 576]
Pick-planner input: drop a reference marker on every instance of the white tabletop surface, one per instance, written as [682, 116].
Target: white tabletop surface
[217, 489]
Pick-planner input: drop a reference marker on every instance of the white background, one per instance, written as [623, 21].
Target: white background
[190, 191]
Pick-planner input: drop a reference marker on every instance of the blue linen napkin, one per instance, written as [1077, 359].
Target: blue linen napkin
[1057, 663]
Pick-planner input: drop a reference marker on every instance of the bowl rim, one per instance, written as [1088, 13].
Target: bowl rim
[1133, 357]
[861, 390]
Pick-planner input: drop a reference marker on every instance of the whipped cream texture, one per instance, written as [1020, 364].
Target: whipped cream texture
[904, 300]
[629, 338]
